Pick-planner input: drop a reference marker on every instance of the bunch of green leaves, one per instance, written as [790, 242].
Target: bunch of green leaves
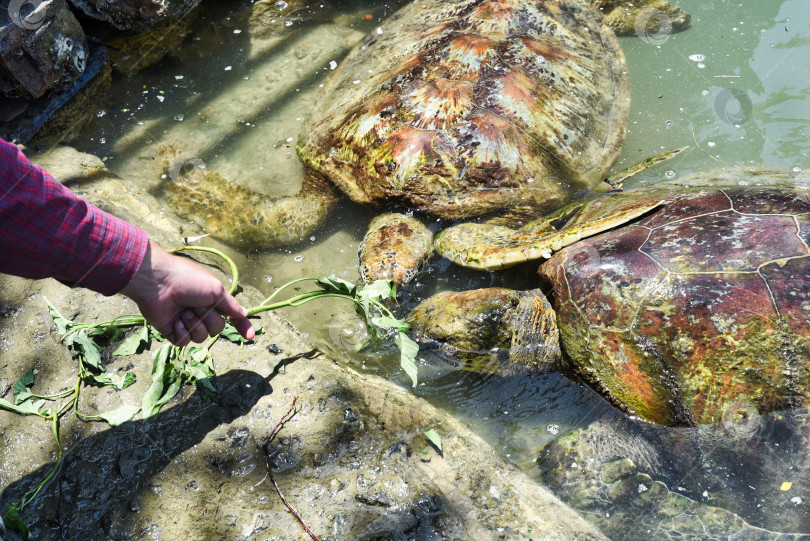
[369, 303]
[173, 366]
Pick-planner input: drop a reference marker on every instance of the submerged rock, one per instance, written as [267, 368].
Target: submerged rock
[134, 14]
[130, 54]
[41, 50]
[745, 478]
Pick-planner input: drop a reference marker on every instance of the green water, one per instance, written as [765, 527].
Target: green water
[734, 88]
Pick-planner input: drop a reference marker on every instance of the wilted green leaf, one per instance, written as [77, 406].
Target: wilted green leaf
[434, 438]
[378, 290]
[29, 407]
[198, 370]
[111, 334]
[155, 391]
[116, 380]
[390, 323]
[13, 521]
[338, 285]
[132, 344]
[62, 323]
[121, 415]
[174, 384]
[22, 389]
[208, 392]
[89, 350]
[408, 349]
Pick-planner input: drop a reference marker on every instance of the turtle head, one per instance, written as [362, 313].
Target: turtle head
[473, 327]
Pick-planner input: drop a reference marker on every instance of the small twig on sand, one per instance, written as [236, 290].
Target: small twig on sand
[287, 416]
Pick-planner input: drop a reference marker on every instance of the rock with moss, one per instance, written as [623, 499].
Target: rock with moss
[740, 479]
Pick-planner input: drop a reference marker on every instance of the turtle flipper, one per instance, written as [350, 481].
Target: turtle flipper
[488, 247]
[395, 247]
[236, 215]
[616, 180]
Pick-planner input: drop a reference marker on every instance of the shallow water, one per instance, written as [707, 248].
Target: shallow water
[734, 88]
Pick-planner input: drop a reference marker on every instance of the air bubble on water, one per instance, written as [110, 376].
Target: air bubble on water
[669, 123]
[178, 77]
[670, 174]
[298, 258]
[697, 57]
[712, 143]
[797, 169]
[701, 65]
[179, 118]
[705, 92]
[288, 23]
[268, 278]
[282, 5]
[101, 113]
[102, 140]
[312, 238]
[237, 31]
[553, 429]
[228, 68]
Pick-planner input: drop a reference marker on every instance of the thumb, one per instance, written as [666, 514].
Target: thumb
[230, 307]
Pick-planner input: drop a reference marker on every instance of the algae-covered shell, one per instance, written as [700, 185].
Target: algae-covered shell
[701, 304]
[463, 108]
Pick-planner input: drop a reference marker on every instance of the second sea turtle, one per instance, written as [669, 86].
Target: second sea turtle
[698, 306]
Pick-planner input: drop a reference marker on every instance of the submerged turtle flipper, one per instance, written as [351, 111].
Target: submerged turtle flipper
[653, 20]
[617, 179]
[395, 248]
[492, 247]
[236, 215]
[476, 328]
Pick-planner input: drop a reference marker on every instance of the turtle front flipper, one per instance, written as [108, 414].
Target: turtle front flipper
[472, 327]
[493, 247]
[236, 215]
[396, 247]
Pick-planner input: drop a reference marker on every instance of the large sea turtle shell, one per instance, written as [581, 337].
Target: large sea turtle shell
[464, 108]
[701, 305]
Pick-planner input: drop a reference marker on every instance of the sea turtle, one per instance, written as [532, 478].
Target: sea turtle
[454, 108]
[702, 303]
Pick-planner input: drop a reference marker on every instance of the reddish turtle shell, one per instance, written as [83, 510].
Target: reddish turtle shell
[462, 108]
[698, 311]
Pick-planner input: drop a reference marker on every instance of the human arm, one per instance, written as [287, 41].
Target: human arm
[46, 231]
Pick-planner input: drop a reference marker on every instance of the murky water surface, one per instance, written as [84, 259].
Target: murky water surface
[734, 87]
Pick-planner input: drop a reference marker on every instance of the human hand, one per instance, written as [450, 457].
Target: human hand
[182, 300]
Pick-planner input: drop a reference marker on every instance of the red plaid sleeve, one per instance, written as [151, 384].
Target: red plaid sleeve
[46, 231]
